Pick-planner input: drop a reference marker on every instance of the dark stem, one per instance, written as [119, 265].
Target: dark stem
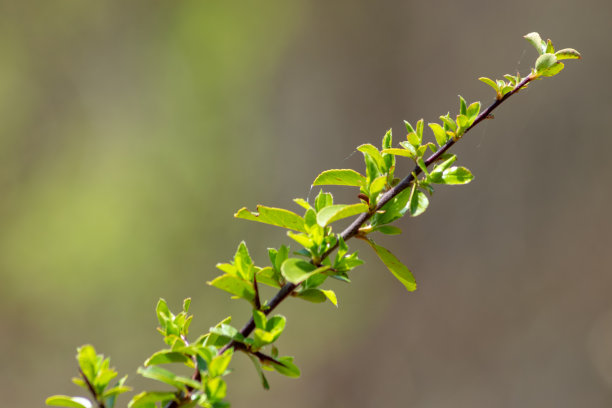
[91, 389]
[353, 229]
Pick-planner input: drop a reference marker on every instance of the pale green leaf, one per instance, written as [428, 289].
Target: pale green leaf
[536, 41]
[567, 53]
[339, 177]
[273, 216]
[399, 270]
[339, 211]
[69, 402]
[373, 152]
[297, 270]
[545, 61]
[235, 286]
[400, 152]
[439, 133]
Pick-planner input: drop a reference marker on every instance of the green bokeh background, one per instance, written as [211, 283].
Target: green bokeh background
[130, 132]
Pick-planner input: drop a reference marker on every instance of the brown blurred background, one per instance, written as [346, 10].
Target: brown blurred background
[130, 132]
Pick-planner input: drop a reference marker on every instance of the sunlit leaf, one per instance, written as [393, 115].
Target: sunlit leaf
[339, 211]
[567, 53]
[70, 402]
[339, 177]
[235, 286]
[297, 270]
[536, 41]
[273, 216]
[399, 270]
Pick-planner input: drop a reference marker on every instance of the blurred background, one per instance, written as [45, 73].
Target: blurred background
[130, 132]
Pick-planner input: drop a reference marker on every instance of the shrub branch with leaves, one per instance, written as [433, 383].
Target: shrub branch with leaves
[383, 199]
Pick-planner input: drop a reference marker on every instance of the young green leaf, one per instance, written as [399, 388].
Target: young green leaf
[399, 270]
[545, 61]
[536, 41]
[339, 211]
[552, 71]
[456, 175]
[567, 53]
[331, 295]
[418, 203]
[312, 295]
[388, 230]
[236, 286]
[297, 270]
[273, 216]
[166, 357]
[339, 177]
[286, 367]
[372, 151]
[462, 106]
[168, 377]
[408, 152]
[148, 399]
[257, 364]
[219, 364]
[473, 110]
[69, 402]
[490, 82]
[439, 133]
[323, 200]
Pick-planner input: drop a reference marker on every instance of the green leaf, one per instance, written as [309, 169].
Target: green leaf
[235, 286]
[552, 71]
[216, 388]
[165, 357]
[297, 270]
[89, 361]
[312, 295]
[450, 124]
[148, 399]
[567, 53]
[259, 318]
[418, 203]
[271, 332]
[302, 203]
[439, 133]
[257, 364]
[323, 200]
[401, 152]
[489, 82]
[168, 377]
[409, 127]
[228, 332]
[387, 141]
[339, 211]
[268, 276]
[545, 61]
[536, 41]
[243, 262]
[273, 216]
[399, 270]
[419, 130]
[388, 230]
[473, 110]
[339, 177]
[219, 364]
[549, 46]
[373, 152]
[456, 175]
[287, 368]
[331, 295]
[70, 402]
[462, 106]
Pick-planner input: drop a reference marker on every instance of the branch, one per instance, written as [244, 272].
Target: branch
[353, 229]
